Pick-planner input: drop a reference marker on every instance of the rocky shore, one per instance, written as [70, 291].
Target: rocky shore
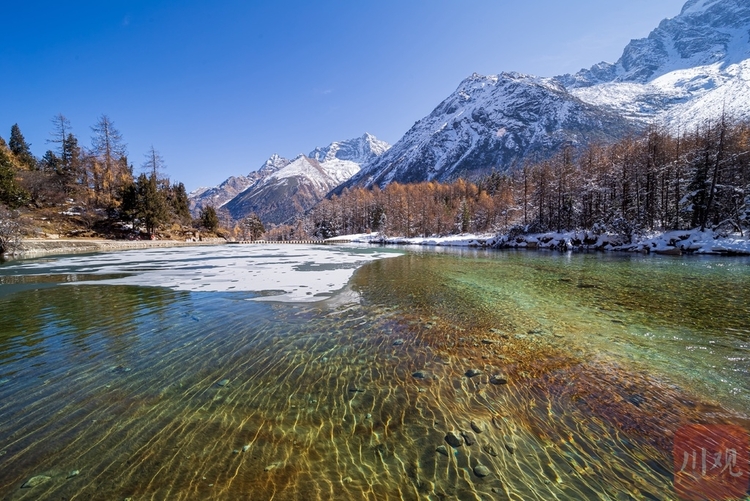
[35, 247]
[676, 242]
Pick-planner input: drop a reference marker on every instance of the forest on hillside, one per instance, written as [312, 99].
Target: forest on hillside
[655, 181]
[95, 187]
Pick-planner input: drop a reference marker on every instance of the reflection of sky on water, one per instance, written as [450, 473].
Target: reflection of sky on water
[297, 272]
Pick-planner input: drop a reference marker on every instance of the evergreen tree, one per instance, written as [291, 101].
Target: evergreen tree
[253, 226]
[72, 161]
[209, 219]
[20, 148]
[129, 202]
[11, 194]
[151, 203]
[180, 202]
[50, 163]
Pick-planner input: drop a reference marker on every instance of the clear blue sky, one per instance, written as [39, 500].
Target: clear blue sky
[217, 87]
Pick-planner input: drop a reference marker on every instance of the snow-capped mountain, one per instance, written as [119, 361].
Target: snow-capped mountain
[291, 189]
[491, 122]
[690, 69]
[233, 186]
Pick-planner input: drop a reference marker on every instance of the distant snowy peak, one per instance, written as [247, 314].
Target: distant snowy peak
[274, 163]
[704, 33]
[359, 150]
[301, 167]
[218, 196]
[327, 167]
[290, 187]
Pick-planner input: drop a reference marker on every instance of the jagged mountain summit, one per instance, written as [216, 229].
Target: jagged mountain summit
[282, 189]
[233, 186]
[359, 151]
[690, 69]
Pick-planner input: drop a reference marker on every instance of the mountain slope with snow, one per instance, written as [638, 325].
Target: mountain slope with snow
[219, 195]
[289, 191]
[690, 69]
[491, 122]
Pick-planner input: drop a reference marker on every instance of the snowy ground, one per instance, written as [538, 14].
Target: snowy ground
[671, 242]
[462, 240]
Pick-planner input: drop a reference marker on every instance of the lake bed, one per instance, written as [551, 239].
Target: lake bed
[212, 374]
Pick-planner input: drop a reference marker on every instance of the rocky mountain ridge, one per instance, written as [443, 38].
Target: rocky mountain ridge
[283, 189]
[491, 122]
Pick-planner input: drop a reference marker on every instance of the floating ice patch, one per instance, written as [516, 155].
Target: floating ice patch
[283, 272]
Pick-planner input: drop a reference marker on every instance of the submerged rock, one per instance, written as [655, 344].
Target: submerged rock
[419, 375]
[509, 444]
[34, 481]
[481, 471]
[475, 426]
[454, 439]
[398, 342]
[473, 372]
[468, 438]
[223, 382]
[73, 473]
[498, 379]
[442, 450]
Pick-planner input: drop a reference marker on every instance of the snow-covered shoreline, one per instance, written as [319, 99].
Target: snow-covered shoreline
[674, 242]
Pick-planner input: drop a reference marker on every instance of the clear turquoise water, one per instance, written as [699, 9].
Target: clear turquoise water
[152, 393]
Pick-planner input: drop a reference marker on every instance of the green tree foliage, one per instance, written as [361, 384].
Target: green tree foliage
[145, 201]
[151, 203]
[11, 193]
[209, 219]
[129, 202]
[20, 148]
[253, 227]
[72, 162]
[178, 199]
[50, 163]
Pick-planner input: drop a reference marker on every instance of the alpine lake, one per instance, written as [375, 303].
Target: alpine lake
[365, 373]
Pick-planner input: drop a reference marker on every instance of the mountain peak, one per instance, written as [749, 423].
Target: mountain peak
[705, 32]
[359, 150]
[697, 6]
